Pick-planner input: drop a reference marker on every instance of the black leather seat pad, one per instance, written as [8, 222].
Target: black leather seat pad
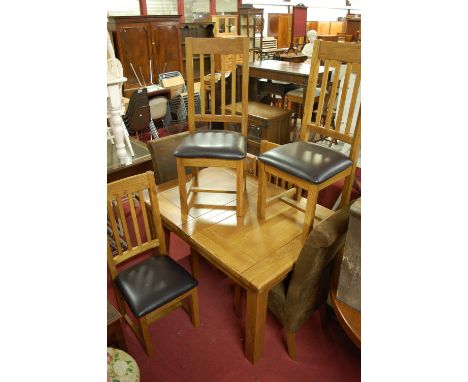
[307, 161]
[218, 144]
[153, 283]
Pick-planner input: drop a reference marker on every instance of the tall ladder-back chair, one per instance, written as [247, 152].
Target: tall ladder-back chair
[310, 166]
[214, 148]
[157, 284]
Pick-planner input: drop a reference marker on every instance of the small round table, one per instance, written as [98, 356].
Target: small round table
[121, 367]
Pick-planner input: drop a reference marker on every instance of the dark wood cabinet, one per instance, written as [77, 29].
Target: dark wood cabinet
[139, 39]
[199, 29]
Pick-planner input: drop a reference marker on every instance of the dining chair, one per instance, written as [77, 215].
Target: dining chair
[214, 148]
[308, 165]
[305, 289]
[165, 167]
[156, 285]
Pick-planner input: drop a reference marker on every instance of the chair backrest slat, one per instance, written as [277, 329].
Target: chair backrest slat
[202, 85]
[224, 48]
[223, 84]
[123, 221]
[336, 65]
[123, 191]
[326, 120]
[343, 95]
[356, 69]
[145, 217]
[212, 85]
[136, 229]
[233, 84]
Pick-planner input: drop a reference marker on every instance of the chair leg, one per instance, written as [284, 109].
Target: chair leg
[167, 238]
[312, 194]
[120, 301]
[182, 185]
[261, 201]
[195, 176]
[347, 188]
[237, 301]
[291, 344]
[194, 264]
[240, 188]
[194, 311]
[144, 326]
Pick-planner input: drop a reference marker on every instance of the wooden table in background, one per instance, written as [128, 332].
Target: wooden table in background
[141, 161]
[254, 254]
[293, 72]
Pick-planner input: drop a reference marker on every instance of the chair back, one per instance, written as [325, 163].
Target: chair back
[345, 61]
[145, 237]
[199, 47]
[310, 279]
[162, 155]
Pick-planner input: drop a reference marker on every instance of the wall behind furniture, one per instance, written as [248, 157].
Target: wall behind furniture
[317, 10]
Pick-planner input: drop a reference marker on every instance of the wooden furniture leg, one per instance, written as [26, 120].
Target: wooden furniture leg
[237, 301]
[182, 185]
[240, 188]
[312, 194]
[255, 324]
[195, 263]
[146, 336]
[261, 202]
[194, 311]
[291, 344]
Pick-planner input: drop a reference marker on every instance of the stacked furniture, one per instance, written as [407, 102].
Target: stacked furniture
[251, 25]
[198, 29]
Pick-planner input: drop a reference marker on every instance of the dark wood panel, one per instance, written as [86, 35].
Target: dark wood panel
[166, 48]
[134, 49]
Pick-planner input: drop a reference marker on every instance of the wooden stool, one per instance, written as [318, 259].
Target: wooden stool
[276, 88]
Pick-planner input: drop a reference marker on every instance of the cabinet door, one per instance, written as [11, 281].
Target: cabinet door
[166, 48]
[284, 30]
[135, 49]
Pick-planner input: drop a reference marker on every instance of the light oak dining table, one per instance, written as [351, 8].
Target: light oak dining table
[255, 254]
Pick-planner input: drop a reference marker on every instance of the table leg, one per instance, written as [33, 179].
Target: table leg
[255, 324]
[253, 89]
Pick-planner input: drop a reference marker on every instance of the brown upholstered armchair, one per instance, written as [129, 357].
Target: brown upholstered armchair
[306, 288]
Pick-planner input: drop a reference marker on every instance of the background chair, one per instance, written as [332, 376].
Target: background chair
[138, 115]
[156, 285]
[305, 289]
[215, 148]
[310, 166]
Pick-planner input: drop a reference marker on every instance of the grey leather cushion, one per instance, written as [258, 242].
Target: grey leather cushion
[153, 283]
[307, 161]
[218, 144]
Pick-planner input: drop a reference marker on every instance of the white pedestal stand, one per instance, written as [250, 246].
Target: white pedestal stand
[115, 119]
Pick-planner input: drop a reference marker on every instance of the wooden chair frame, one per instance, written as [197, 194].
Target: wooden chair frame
[215, 46]
[334, 55]
[154, 240]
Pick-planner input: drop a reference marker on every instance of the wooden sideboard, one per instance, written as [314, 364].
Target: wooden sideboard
[139, 39]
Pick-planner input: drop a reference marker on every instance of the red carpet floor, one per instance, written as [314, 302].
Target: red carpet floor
[214, 351]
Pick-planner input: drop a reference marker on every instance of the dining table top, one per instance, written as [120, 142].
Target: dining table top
[294, 72]
[256, 253]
